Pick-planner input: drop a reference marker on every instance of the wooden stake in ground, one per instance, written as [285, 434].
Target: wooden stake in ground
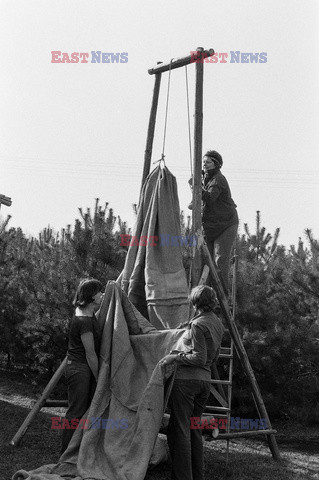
[39, 404]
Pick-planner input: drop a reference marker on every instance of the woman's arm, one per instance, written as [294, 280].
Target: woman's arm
[198, 356]
[91, 357]
[212, 191]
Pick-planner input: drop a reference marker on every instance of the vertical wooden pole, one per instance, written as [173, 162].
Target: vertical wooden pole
[151, 128]
[197, 165]
[149, 139]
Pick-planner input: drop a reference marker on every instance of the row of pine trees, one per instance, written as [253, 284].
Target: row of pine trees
[277, 304]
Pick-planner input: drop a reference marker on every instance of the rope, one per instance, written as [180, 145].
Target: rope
[162, 159]
[189, 124]
[167, 98]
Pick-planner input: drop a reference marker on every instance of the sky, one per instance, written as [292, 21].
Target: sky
[73, 132]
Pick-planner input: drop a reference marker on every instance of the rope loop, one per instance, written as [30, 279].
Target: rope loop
[162, 159]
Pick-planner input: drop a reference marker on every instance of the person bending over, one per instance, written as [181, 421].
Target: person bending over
[191, 388]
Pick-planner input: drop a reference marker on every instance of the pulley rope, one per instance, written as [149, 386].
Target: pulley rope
[166, 110]
[189, 124]
[188, 118]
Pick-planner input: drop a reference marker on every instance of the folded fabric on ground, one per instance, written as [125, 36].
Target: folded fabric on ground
[127, 409]
[154, 276]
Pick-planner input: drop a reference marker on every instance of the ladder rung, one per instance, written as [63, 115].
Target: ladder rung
[225, 351]
[226, 355]
[218, 409]
[166, 416]
[56, 403]
[226, 436]
[221, 382]
[217, 415]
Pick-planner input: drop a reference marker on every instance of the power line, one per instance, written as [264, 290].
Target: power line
[84, 163]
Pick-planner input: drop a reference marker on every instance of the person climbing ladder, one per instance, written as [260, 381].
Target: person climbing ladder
[219, 214]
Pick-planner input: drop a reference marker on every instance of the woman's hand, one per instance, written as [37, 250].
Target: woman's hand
[168, 359]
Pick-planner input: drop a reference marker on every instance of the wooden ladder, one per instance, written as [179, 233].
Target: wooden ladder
[221, 389]
[224, 410]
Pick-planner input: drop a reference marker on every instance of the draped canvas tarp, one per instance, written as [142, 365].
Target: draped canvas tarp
[130, 390]
[154, 276]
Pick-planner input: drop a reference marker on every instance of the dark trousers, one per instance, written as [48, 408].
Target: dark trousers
[81, 387]
[220, 250]
[188, 399]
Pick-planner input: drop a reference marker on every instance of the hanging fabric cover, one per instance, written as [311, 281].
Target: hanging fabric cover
[154, 276]
[120, 437]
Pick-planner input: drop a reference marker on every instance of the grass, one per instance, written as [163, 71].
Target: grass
[39, 446]
[248, 459]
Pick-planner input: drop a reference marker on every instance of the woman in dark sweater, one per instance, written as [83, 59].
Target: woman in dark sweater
[82, 358]
[219, 218]
[219, 214]
[192, 384]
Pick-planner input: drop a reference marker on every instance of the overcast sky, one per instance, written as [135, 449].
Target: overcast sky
[71, 132]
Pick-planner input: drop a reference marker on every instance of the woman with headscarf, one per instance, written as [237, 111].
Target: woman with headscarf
[219, 214]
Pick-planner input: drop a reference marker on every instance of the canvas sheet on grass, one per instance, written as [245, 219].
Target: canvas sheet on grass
[130, 386]
[154, 276]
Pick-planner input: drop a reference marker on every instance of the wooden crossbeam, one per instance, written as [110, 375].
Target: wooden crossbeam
[194, 57]
[5, 200]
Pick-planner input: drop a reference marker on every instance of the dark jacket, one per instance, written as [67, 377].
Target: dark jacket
[219, 209]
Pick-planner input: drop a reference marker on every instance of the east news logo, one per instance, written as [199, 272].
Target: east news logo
[83, 57]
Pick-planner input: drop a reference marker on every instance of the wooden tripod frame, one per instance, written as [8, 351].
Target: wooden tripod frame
[196, 217]
[198, 59]
[196, 222]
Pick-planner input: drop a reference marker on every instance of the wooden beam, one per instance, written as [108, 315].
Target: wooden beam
[248, 433]
[56, 403]
[181, 62]
[203, 278]
[197, 165]
[5, 201]
[151, 128]
[218, 396]
[39, 404]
